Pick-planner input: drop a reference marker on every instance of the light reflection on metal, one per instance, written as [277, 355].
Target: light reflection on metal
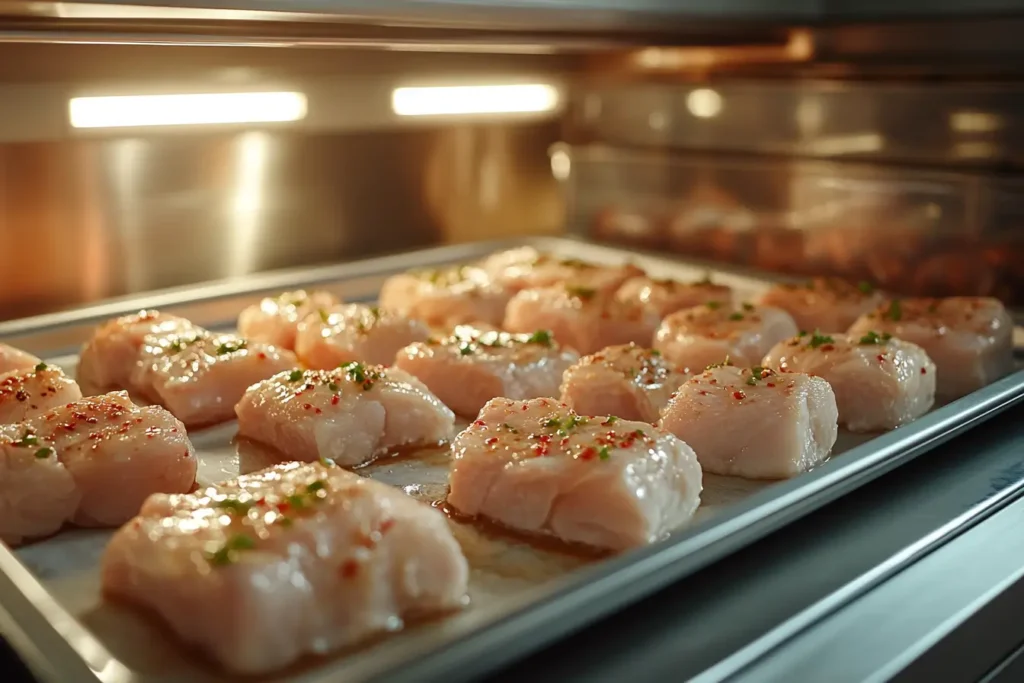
[704, 103]
[252, 152]
[975, 122]
[191, 109]
[798, 47]
[475, 99]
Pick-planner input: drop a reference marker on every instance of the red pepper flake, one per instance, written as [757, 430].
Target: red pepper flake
[881, 358]
[589, 453]
[525, 407]
[713, 381]
[703, 393]
[349, 569]
[828, 347]
[386, 525]
[261, 355]
[480, 423]
[491, 440]
[770, 385]
[924, 371]
[738, 395]
[335, 399]
[307, 406]
[317, 411]
[283, 506]
[540, 449]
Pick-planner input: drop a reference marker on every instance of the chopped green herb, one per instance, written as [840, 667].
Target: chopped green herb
[736, 316]
[542, 337]
[325, 317]
[873, 337]
[231, 346]
[895, 310]
[552, 422]
[296, 500]
[315, 486]
[581, 292]
[758, 373]
[284, 521]
[604, 453]
[724, 363]
[181, 343]
[802, 333]
[714, 305]
[611, 420]
[640, 434]
[375, 312]
[466, 348]
[655, 352]
[40, 367]
[509, 428]
[295, 375]
[234, 505]
[818, 339]
[28, 440]
[865, 287]
[332, 386]
[747, 306]
[44, 453]
[229, 552]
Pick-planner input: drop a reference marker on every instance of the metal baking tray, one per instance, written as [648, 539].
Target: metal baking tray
[523, 597]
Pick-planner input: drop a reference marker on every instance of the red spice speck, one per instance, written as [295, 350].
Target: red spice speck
[317, 411]
[479, 423]
[589, 453]
[703, 393]
[924, 371]
[881, 358]
[21, 395]
[386, 525]
[335, 399]
[738, 395]
[713, 381]
[770, 385]
[491, 440]
[307, 406]
[261, 355]
[349, 569]
[828, 347]
[525, 407]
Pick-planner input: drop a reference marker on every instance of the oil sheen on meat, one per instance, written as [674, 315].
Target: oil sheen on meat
[825, 304]
[355, 332]
[667, 296]
[27, 393]
[275, 320]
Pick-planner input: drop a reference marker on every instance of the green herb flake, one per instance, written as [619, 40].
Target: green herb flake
[466, 348]
[182, 343]
[325, 317]
[802, 333]
[229, 552]
[714, 305]
[757, 373]
[747, 306]
[715, 366]
[552, 422]
[44, 453]
[234, 505]
[296, 500]
[604, 453]
[640, 434]
[581, 292]
[865, 287]
[509, 428]
[375, 312]
[736, 316]
[655, 353]
[41, 366]
[295, 375]
[873, 337]
[542, 337]
[231, 346]
[27, 441]
[332, 386]
[895, 310]
[610, 421]
[315, 486]
[818, 339]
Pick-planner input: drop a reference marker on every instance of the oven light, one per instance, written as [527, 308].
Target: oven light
[474, 99]
[183, 110]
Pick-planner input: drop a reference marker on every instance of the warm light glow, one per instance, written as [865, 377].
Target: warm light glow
[182, 110]
[474, 99]
[704, 103]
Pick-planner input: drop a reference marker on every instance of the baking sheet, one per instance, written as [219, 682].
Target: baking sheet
[507, 575]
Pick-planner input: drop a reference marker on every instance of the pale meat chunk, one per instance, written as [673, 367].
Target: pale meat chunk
[297, 559]
[275, 320]
[26, 393]
[12, 359]
[581, 319]
[118, 453]
[200, 376]
[970, 339]
[826, 304]
[538, 467]
[446, 298]
[880, 382]
[37, 493]
[355, 332]
[526, 268]
[754, 423]
[668, 296]
[470, 367]
[627, 381]
[695, 338]
[110, 357]
[350, 415]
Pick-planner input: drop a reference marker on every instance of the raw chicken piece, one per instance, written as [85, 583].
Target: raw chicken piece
[199, 376]
[539, 467]
[628, 381]
[275, 320]
[446, 298]
[37, 493]
[526, 268]
[12, 359]
[669, 296]
[470, 367]
[880, 383]
[355, 332]
[118, 454]
[695, 338]
[109, 359]
[581, 319]
[297, 559]
[826, 304]
[753, 423]
[349, 415]
[970, 339]
[26, 393]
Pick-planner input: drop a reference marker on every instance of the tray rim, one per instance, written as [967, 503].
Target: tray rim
[63, 646]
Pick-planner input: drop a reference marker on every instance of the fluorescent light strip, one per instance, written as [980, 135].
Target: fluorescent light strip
[186, 110]
[474, 99]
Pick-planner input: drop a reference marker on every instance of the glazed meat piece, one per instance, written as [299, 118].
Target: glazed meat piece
[110, 358]
[669, 296]
[627, 381]
[26, 393]
[581, 319]
[297, 559]
[355, 332]
[12, 359]
[880, 382]
[349, 415]
[526, 268]
[117, 453]
[200, 376]
[538, 467]
[275, 320]
[754, 423]
[470, 367]
[37, 493]
[826, 304]
[446, 298]
[970, 339]
[695, 338]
